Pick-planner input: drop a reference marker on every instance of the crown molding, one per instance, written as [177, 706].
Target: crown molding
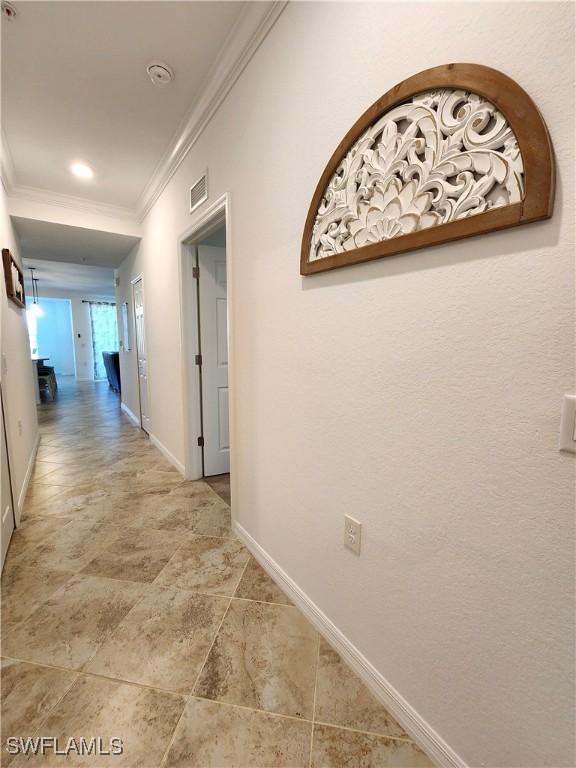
[7, 164]
[45, 197]
[17, 191]
[252, 27]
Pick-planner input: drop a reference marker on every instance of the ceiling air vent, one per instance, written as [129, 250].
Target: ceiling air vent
[199, 192]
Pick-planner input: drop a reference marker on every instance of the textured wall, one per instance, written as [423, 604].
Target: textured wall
[420, 393]
[55, 337]
[17, 379]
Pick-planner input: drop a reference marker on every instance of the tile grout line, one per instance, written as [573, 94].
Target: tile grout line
[167, 563]
[145, 584]
[201, 669]
[112, 631]
[242, 574]
[234, 705]
[56, 703]
[83, 516]
[162, 498]
[314, 702]
[367, 733]
[83, 673]
[27, 616]
[80, 673]
[266, 602]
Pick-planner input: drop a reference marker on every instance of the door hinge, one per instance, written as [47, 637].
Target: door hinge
[195, 272]
[198, 359]
[201, 442]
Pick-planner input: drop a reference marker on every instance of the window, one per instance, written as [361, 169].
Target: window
[104, 322]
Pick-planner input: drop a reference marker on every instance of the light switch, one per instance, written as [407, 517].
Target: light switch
[568, 424]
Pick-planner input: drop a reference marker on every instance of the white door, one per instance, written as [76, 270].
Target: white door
[214, 349]
[6, 494]
[141, 353]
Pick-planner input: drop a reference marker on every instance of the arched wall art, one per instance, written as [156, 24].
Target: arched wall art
[454, 151]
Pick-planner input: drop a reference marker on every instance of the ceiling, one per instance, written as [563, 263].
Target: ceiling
[63, 277]
[42, 240]
[75, 88]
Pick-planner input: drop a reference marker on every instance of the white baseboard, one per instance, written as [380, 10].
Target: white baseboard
[27, 478]
[418, 729]
[170, 456]
[129, 413]
[154, 440]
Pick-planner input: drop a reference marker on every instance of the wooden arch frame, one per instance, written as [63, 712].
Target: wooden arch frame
[533, 140]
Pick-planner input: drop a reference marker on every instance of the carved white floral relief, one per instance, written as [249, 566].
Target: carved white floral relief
[441, 156]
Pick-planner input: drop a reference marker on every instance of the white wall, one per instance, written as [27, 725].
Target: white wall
[420, 393]
[17, 378]
[16, 374]
[54, 334]
[81, 328]
[60, 210]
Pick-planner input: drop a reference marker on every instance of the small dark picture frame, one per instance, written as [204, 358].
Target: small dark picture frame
[14, 279]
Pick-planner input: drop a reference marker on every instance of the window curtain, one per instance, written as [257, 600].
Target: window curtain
[104, 323]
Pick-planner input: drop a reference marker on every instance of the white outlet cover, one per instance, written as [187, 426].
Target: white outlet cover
[352, 534]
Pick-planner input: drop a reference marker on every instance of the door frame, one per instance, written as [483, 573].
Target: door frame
[73, 337]
[5, 447]
[211, 412]
[133, 282]
[203, 224]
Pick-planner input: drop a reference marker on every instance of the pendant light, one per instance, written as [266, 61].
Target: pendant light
[35, 309]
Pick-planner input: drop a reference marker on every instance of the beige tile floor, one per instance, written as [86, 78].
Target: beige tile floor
[129, 610]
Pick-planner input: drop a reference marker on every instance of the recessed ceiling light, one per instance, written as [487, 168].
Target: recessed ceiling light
[82, 170]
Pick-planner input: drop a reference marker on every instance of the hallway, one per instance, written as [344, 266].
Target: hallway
[130, 611]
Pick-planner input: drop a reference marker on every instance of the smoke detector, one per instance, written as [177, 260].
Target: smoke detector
[160, 73]
[8, 10]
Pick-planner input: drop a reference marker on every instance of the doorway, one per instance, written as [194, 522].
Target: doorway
[205, 270]
[104, 327]
[213, 346]
[141, 358]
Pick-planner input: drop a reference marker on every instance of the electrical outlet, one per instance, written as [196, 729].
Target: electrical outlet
[352, 534]
[19, 428]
